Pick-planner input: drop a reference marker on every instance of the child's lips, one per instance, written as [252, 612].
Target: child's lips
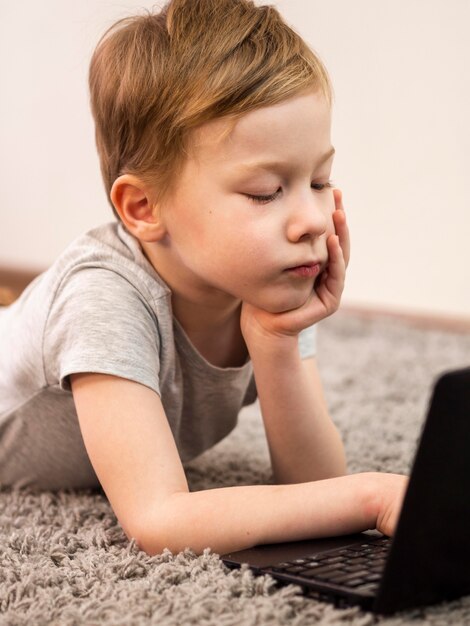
[307, 270]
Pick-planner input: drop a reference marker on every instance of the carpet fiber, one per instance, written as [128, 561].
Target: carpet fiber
[65, 560]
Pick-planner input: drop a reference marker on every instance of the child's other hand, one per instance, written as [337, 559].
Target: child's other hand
[326, 294]
[389, 496]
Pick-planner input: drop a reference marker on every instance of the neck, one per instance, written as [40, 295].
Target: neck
[210, 317]
[197, 317]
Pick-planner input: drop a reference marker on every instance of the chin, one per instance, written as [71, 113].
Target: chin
[288, 302]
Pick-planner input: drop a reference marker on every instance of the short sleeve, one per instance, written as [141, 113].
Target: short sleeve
[99, 322]
[308, 342]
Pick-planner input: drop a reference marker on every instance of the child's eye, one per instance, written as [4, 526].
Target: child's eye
[321, 186]
[269, 198]
[264, 199]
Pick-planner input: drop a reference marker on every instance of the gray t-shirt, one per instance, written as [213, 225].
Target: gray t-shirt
[101, 307]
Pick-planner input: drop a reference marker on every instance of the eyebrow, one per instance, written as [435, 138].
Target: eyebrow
[272, 165]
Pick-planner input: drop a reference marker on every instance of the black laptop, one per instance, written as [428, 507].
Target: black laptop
[428, 559]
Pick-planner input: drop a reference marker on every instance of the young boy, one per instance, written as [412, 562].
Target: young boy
[136, 350]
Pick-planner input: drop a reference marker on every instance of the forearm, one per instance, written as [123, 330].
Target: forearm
[235, 518]
[304, 444]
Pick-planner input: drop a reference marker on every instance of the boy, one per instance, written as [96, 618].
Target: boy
[135, 351]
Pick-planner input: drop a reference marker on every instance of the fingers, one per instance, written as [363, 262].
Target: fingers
[330, 285]
[341, 227]
[336, 265]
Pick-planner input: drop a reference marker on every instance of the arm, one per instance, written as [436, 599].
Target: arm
[234, 518]
[304, 444]
[131, 447]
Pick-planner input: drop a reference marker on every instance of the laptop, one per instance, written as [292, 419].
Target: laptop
[428, 559]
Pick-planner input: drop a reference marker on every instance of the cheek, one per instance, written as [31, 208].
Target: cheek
[330, 229]
[328, 210]
[249, 242]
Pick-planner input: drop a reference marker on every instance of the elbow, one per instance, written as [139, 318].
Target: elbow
[154, 543]
[169, 528]
[150, 542]
[160, 538]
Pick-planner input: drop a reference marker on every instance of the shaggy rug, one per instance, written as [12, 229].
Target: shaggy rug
[65, 560]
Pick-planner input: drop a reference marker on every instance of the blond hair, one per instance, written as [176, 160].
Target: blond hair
[155, 77]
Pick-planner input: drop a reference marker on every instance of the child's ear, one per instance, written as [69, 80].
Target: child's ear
[132, 201]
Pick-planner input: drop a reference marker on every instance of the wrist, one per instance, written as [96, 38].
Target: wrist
[370, 497]
[270, 332]
[273, 347]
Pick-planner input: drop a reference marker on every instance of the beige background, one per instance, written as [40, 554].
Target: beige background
[400, 70]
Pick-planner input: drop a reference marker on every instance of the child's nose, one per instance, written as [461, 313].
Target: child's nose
[309, 217]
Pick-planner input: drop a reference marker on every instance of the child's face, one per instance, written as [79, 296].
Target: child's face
[222, 240]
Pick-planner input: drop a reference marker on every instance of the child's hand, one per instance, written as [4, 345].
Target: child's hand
[326, 294]
[391, 491]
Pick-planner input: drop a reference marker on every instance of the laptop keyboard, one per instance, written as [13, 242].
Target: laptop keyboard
[358, 566]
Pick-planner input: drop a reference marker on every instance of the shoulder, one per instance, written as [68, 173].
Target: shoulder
[105, 317]
[106, 262]
[102, 284]
[111, 248]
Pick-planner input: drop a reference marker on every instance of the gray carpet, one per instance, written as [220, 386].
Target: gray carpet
[65, 560]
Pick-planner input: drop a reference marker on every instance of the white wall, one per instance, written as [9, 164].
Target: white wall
[400, 127]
